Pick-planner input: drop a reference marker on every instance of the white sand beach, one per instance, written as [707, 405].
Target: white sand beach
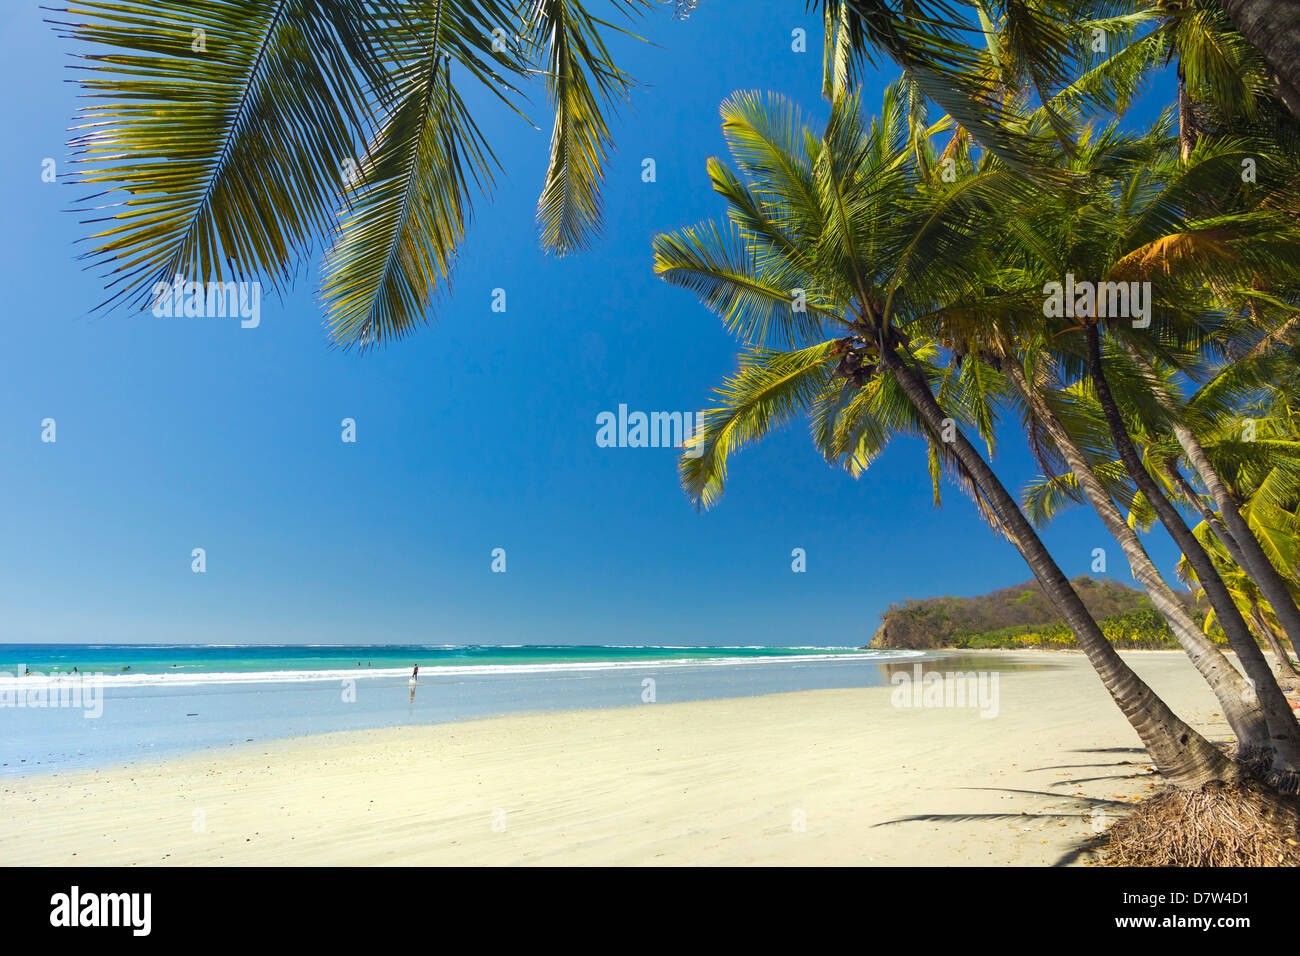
[814, 777]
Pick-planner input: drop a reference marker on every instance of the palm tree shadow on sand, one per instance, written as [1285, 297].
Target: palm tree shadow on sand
[1083, 804]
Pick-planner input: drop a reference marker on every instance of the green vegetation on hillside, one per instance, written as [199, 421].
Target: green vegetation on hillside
[1140, 629]
[1022, 617]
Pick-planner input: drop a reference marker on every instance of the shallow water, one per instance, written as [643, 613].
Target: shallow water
[143, 717]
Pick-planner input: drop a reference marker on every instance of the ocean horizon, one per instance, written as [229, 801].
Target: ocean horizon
[132, 701]
[179, 664]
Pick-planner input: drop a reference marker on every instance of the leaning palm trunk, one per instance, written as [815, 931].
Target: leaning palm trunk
[1208, 514]
[1239, 539]
[1263, 627]
[1284, 731]
[1273, 28]
[1183, 756]
[1242, 713]
[1286, 671]
[1188, 133]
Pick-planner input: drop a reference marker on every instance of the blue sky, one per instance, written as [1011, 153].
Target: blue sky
[476, 433]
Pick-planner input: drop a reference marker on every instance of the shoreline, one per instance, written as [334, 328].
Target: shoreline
[807, 777]
[47, 732]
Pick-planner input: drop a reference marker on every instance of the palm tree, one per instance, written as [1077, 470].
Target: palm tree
[839, 233]
[1116, 76]
[1135, 224]
[1223, 89]
[936, 41]
[1240, 708]
[1265, 475]
[1223, 81]
[225, 136]
[1262, 473]
[1229, 524]
[1070, 249]
[1247, 597]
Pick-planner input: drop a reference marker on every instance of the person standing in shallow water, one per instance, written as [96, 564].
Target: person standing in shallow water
[415, 674]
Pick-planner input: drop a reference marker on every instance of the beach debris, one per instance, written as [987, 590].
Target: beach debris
[1241, 824]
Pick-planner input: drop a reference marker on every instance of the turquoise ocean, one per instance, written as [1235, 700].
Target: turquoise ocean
[75, 706]
[193, 663]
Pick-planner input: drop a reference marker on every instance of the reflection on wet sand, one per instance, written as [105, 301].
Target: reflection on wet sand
[959, 661]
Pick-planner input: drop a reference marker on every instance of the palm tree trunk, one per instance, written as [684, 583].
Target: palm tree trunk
[1263, 627]
[1243, 716]
[1283, 728]
[1183, 756]
[1244, 546]
[1286, 670]
[1273, 28]
[1188, 134]
[1248, 553]
[1207, 514]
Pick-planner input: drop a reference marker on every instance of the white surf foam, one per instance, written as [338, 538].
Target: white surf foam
[175, 679]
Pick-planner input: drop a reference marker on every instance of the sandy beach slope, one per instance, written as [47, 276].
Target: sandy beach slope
[815, 777]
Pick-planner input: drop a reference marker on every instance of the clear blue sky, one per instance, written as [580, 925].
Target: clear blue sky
[476, 433]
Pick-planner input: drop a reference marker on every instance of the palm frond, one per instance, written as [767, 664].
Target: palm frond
[581, 80]
[769, 389]
[218, 130]
[397, 239]
[758, 301]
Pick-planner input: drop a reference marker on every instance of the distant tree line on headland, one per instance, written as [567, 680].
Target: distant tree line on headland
[1021, 616]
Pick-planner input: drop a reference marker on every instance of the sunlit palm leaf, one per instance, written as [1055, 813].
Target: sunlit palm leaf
[580, 78]
[398, 238]
[941, 47]
[219, 129]
[758, 303]
[769, 389]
